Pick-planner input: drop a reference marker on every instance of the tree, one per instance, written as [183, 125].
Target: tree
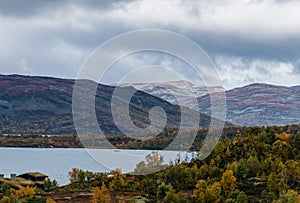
[213, 192]
[162, 190]
[171, 196]
[73, 175]
[153, 163]
[50, 185]
[118, 182]
[242, 169]
[81, 176]
[199, 192]
[101, 195]
[292, 171]
[100, 178]
[233, 166]
[204, 171]
[5, 199]
[267, 197]
[253, 166]
[25, 193]
[266, 166]
[184, 197]
[275, 185]
[242, 198]
[6, 189]
[284, 137]
[290, 197]
[228, 181]
[282, 149]
[204, 193]
[49, 200]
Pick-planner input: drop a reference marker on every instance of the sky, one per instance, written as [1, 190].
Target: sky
[249, 41]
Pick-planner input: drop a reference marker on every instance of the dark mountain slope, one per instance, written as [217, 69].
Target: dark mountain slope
[44, 105]
[259, 105]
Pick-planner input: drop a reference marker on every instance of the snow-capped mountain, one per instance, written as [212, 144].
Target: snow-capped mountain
[251, 105]
[175, 92]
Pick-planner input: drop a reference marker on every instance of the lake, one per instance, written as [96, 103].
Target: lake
[56, 163]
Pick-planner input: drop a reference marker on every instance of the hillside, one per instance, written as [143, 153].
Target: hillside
[43, 105]
[251, 105]
[259, 164]
[175, 92]
[260, 105]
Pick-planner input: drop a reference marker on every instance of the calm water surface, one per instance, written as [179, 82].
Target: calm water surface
[56, 163]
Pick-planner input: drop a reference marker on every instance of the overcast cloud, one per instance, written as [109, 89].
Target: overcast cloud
[249, 41]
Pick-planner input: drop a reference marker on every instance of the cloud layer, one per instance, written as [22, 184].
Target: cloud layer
[250, 41]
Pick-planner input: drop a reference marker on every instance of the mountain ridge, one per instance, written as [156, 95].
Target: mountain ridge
[257, 104]
[43, 105]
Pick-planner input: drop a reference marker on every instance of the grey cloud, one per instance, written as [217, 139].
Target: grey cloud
[219, 43]
[297, 65]
[156, 59]
[30, 8]
[19, 8]
[41, 45]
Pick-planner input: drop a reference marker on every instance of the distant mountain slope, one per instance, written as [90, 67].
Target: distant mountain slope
[175, 92]
[260, 104]
[252, 105]
[44, 105]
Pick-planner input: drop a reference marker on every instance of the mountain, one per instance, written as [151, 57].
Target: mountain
[260, 105]
[44, 105]
[263, 104]
[252, 105]
[175, 92]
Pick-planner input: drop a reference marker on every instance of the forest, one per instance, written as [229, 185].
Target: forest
[257, 164]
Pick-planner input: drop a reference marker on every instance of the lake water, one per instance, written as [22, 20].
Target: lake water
[56, 163]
